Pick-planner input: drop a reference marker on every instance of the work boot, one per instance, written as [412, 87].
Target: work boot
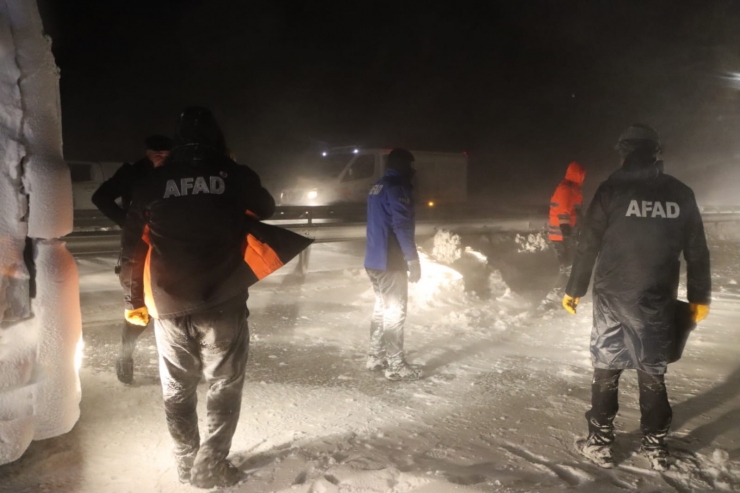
[656, 450]
[125, 369]
[375, 362]
[217, 474]
[398, 369]
[184, 466]
[598, 449]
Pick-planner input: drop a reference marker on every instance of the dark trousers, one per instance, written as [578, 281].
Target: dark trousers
[655, 410]
[129, 335]
[213, 343]
[391, 298]
[565, 252]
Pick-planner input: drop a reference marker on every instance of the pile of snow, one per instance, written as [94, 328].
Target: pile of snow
[531, 243]
[439, 284]
[497, 285]
[447, 246]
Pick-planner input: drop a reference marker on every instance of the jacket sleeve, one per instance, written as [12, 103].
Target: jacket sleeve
[259, 200]
[696, 254]
[561, 204]
[133, 255]
[115, 187]
[589, 244]
[401, 207]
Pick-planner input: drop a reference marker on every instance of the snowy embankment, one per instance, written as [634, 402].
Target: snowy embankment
[501, 403]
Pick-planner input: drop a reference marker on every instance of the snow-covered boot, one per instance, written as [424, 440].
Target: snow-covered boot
[398, 369]
[125, 369]
[216, 474]
[656, 450]
[598, 449]
[375, 362]
[184, 465]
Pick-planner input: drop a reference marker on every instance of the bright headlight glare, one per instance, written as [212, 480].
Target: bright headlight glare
[312, 194]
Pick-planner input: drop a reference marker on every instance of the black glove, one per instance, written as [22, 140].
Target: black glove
[414, 271]
[566, 229]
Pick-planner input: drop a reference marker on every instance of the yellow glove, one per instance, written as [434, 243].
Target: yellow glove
[698, 312]
[570, 303]
[140, 316]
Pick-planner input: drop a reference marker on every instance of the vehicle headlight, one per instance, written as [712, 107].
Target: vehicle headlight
[312, 194]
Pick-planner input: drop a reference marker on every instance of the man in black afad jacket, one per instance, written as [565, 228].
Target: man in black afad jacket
[189, 273]
[120, 186]
[637, 226]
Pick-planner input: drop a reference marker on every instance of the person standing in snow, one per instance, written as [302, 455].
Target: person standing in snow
[565, 211]
[120, 186]
[190, 274]
[391, 262]
[637, 226]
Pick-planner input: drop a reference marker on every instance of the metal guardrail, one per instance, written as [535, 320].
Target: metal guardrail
[335, 224]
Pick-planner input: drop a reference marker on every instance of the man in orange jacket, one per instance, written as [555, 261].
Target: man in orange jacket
[565, 207]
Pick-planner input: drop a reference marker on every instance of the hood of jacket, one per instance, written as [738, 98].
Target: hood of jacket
[639, 167]
[197, 130]
[575, 173]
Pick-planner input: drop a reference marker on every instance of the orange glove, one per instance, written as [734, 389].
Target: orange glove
[570, 303]
[698, 312]
[140, 316]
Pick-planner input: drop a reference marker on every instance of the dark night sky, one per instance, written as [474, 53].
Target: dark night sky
[524, 86]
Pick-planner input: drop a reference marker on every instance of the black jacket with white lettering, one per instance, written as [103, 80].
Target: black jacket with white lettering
[191, 214]
[637, 226]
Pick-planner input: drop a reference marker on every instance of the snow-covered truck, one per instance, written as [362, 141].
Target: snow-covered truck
[345, 175]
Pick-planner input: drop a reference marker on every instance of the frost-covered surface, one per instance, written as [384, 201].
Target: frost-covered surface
[498, 410]
[39, 386]
[447, 246]
[535, 242]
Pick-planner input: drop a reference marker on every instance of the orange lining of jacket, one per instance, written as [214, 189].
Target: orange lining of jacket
[148, 295]
[261, 258]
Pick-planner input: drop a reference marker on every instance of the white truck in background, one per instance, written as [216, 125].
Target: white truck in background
[345, 175]
[86, 178]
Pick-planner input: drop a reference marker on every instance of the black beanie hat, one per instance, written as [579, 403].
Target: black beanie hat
[400, 160]
[639, 138]
[158, 143]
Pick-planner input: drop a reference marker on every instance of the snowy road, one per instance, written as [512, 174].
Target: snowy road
[499, 409]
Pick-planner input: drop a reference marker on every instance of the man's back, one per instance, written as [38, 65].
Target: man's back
[390, 224]
[646, 219]
[194, 210]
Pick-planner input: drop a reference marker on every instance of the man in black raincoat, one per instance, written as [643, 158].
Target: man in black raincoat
[637, 226]
[201, 251]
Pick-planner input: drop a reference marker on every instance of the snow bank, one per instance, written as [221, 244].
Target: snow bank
[439, 284]
[531, 243]
[447, 247]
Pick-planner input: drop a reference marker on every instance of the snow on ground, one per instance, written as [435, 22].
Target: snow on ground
[500, 406]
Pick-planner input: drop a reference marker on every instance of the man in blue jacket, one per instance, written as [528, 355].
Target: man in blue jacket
[391, 261]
